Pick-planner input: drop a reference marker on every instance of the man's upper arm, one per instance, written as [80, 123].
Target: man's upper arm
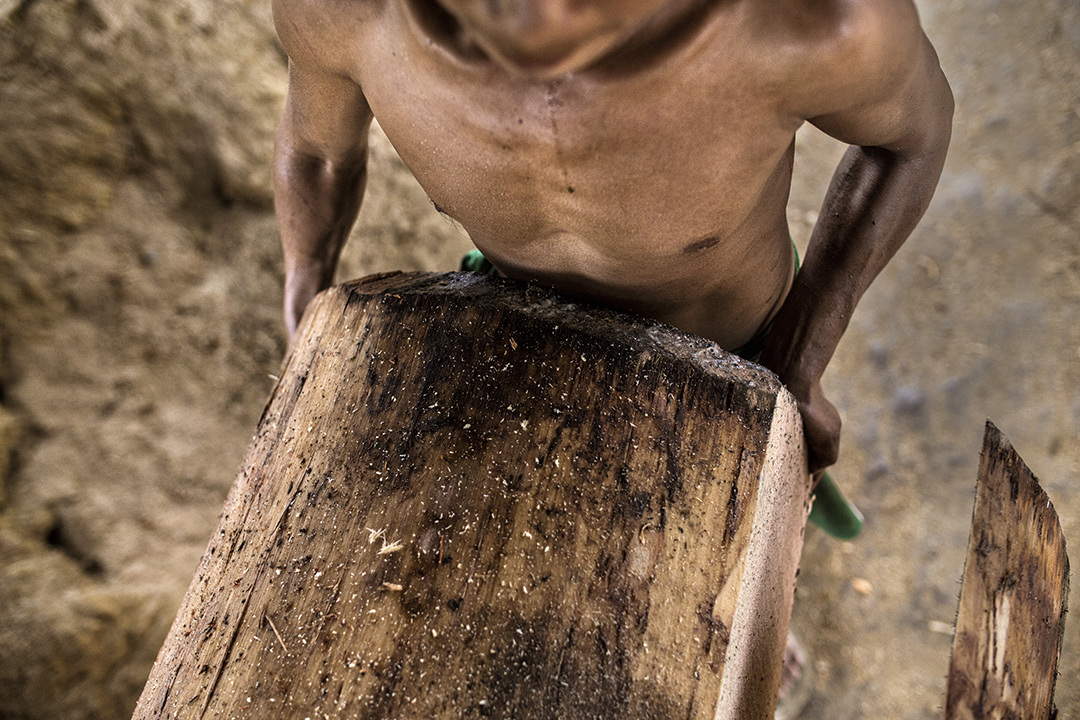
[882, 86]
[326, 114]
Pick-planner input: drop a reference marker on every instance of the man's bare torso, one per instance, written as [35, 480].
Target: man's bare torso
[634, 152]
[655, 181]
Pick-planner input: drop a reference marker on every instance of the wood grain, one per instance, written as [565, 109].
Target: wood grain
[1012, 605]
[469, 497]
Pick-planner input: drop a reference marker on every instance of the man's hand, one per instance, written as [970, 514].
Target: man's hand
[821, 421]
[821, 425]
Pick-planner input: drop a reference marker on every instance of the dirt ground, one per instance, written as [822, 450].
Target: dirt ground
[140, 323]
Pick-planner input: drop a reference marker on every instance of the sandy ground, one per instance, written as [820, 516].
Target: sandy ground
[139, 324]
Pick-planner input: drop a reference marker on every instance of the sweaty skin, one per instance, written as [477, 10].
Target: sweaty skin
[637, 153]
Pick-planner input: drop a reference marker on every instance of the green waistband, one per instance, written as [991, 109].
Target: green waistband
[474, 261]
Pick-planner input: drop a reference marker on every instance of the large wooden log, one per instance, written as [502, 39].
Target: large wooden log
[468, 497]
[1012, 605]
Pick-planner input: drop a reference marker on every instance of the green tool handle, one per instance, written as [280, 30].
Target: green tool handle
[832, 512]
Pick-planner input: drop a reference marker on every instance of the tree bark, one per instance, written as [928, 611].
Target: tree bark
[1012, 605]
[469, 497]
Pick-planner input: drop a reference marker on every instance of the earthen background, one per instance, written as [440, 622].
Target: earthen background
[140, 323]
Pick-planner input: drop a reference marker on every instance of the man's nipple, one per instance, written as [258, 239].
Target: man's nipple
[703, 244]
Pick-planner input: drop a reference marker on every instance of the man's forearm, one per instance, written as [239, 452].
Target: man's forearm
[874, 202]
[316, 201]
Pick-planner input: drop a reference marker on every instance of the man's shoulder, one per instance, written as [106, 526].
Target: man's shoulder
[833, 30]
[828, 48]
[316, 30]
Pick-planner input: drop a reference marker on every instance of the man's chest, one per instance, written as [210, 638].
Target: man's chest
[688, 143]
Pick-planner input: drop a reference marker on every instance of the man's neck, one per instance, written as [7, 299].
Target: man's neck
[673, 27]
[670, 27]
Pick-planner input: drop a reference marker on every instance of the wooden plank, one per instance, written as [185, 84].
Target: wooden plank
[468, 497]
[1012, 605]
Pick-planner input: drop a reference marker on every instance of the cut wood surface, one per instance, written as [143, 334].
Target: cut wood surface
[469, 497]
[1012, 605]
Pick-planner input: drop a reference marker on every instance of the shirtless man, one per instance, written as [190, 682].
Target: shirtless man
[633, 152]
[637, 153]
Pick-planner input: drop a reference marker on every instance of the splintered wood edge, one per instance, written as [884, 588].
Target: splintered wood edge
[759, 630]
[975, 683]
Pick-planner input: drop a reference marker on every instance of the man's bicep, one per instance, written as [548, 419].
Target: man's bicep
[907, 108]
[326, 115]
